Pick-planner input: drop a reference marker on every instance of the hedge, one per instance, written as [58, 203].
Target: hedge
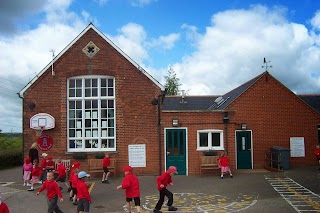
[10, 158]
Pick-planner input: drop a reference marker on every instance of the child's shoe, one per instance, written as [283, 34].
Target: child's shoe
[75, 203]
[221, 176]
[69, 189]
[60, 188]
[40, 181]
[157, 211]
[31, 189]
[24, 184]
[172, 208]
[106, 181]
[231, 175]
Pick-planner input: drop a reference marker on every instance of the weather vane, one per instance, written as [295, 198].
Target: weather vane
[266, 64]
[52, 70]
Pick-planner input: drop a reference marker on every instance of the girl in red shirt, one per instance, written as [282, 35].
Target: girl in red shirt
[130, 183]
[224, 164]
[53, 192]
[105, 165]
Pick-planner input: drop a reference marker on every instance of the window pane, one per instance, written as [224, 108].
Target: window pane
[78, 93]
[72, 105]
[103, 92]
[71, 133]
[110, 103]
[203, 139]
[78, 105]
[71, 83]
[71, 114]
[72, 144]
[87, 104]
[111, 132]
[95, 104]
[94, 92]
[103, 82]
[78, 143]
[110, 92]
[103, 103]
[79, 83]
[72, 93]
[88, 83]
[110, 82]
[104, 143]
[181, 143]
[94, 82]
[103, 113]
[110, 113]
[88, 123]
[88, 92]
[111, 143]
[110, 122]
[71, 124]
[215, 139]
[88, 144]
[79, 114]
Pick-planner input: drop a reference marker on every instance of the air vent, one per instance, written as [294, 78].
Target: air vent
[219, 100]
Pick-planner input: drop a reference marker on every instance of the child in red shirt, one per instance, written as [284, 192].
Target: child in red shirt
[53, 192]
[43, 167]
[50, 164]
[75, 165]
[62, 174]
[317, 153]
[105, 165]
[130, 184]
[163, 181]
[35, 173]
[27, 168]
[3, 207]
[223, 162]
[74, 183]
[83, 195]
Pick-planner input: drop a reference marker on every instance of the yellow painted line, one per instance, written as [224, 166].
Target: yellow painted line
[19, 190]
[91, 187]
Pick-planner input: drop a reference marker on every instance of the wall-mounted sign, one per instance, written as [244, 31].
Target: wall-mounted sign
[45, 142]
[297, 147]
[137, 155]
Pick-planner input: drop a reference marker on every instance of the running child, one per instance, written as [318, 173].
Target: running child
[35, 173]
[105, 165]
[130, 184]
[62, 174]
[75, 165]
[163, 181]
[53, 192]
[223, 163]
[27, 168]
[84, 198]
[74, 182]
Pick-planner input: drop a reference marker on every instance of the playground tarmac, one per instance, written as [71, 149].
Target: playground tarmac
[252, 191]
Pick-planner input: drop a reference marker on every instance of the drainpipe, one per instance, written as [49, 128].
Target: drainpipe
[22, 124]
[226, 121]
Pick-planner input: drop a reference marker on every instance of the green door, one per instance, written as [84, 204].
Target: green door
[176, 149]
[244, 153]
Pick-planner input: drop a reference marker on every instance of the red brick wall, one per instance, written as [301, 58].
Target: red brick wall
[274, 114]
[136, 119]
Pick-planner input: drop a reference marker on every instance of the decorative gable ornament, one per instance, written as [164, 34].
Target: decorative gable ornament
[90, 49]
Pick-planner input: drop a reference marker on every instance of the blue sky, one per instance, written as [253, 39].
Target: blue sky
[212, 45]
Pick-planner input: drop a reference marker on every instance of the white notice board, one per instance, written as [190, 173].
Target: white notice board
[137, 155]
[297, 147]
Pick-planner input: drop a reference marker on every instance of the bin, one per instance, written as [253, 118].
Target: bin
[282, 154]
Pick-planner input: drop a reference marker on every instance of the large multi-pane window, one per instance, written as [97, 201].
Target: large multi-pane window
[210, 140]
[91, 114]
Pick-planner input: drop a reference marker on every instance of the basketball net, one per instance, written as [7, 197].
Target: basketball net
[39, 131]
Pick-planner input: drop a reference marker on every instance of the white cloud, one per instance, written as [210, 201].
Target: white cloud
[232, 49]
[141, 3]
[165, 42]
[315, 21]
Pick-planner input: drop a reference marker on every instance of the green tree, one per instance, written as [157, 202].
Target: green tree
[172, 83]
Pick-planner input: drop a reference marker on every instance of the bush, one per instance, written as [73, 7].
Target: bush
[10, 158]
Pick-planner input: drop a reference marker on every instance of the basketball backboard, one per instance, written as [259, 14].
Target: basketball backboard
[42, 121]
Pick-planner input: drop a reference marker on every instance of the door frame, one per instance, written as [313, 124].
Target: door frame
[235, 144]
[165, 145]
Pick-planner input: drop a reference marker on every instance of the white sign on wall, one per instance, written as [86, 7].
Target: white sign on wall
[297, 147]
[137, 155]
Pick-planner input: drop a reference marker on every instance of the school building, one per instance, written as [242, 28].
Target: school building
[93, 98]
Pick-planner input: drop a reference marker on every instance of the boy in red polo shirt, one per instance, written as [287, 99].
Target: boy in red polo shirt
[130, 183]
[105, 165]
[83, 195]
[53, 192]
[163, 181]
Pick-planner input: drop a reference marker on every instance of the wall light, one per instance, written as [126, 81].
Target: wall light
[244, 126]
[175, 122]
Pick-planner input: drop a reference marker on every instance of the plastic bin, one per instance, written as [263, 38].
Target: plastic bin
[280, 157]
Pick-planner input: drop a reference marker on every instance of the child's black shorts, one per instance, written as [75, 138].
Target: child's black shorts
[136, 200]
[61, 179]
[83, 205]
[105, 169]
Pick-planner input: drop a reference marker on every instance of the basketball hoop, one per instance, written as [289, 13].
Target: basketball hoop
[39, 131]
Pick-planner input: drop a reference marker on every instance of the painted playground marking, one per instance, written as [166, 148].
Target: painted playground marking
[299, 197]
[200, 202]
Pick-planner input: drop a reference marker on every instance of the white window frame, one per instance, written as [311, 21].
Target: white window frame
[99, 135]
[210, 147]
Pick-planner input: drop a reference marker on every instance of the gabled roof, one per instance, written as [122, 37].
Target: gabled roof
[208, 103]
[91, 26]
[312, 100]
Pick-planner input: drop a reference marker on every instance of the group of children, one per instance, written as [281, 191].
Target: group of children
[79, 190]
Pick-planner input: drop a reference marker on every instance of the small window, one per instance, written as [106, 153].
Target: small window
[210, 140]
